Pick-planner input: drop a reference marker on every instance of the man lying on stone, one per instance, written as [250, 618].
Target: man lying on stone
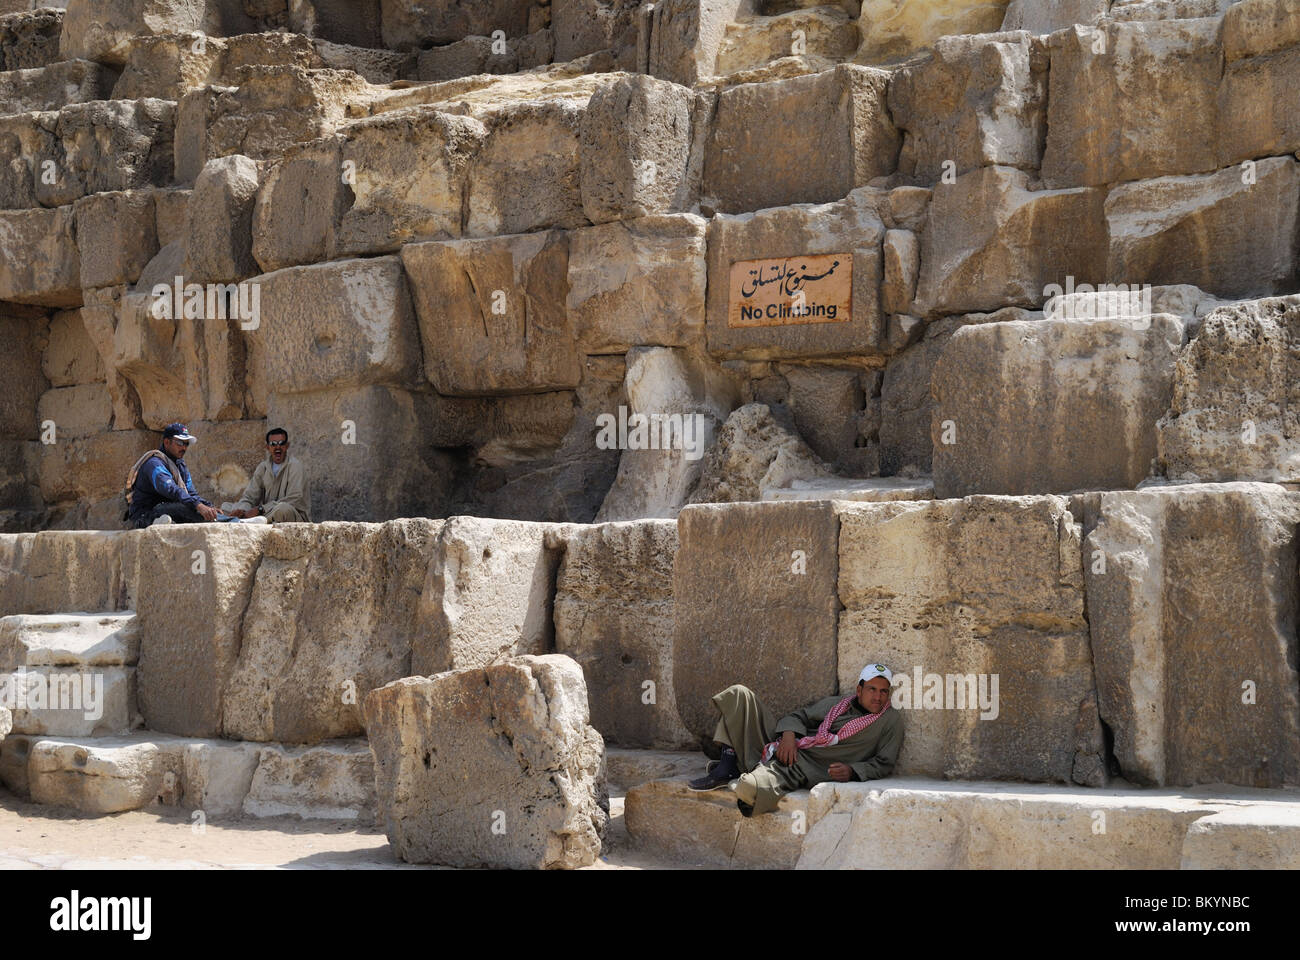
[159, 488]
[278, 490]
[839, 738]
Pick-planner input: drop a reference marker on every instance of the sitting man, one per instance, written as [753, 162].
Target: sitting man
[838, 738]
[159, 488]
[278, 490]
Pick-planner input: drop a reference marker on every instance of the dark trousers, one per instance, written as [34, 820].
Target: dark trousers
[179, 512]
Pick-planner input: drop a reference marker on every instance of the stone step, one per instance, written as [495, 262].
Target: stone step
[221, 778]
[69, 639]
[627, 768]
[867, 489]
[825, 31]
[934, 824]
[707, 829]
[54, 87]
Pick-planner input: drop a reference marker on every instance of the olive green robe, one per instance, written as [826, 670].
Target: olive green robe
[746, 725]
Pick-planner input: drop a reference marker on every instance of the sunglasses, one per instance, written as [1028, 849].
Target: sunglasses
[278, 443]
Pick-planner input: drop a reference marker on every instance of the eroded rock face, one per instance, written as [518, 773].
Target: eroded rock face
[754, 453]
[494, 766]
[978, 588]
[1232, 415]
[892, 31]
[330, 617]
[754, 588]
[1181, 646]
[614, 616]
[1049, 406]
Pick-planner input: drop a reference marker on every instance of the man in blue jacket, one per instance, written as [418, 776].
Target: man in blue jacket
[159, 487]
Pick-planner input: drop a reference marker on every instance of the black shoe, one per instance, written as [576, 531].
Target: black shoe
[745, 809]
[710, 781]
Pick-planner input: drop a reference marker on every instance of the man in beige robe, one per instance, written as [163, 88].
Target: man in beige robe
[278, 489]
[767, 759]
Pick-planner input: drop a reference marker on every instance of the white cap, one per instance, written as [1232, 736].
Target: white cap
[873, 670]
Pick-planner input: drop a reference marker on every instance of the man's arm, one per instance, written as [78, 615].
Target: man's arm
[805, 720]
[252, 495]
[160, 478]
[885, 759]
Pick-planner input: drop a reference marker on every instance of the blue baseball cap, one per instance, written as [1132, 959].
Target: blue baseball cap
[177, 431]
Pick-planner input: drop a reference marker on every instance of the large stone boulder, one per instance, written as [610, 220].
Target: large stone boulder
[1049, 406]
[41, 265]
[1231, 416]
[851, 226]
[752, 455]
[1182, 646]
[966, 601]
[893, 31]
[117, 236]
[68, 570]
[102, 29]
[494, 766]
[754, 589]
[975, 101]
[49, 88]
[1231, 233]
[993, 242]
[614, 616]
[331, 617]
[808, 139]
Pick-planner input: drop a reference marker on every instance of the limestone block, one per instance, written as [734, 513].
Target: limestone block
[186, 662]
[14, 752]
[1255, 27]
[488, 596]
[1231, 415]
[6, 722]
[110, 145]
[1229, 238]
[1175, 640]
[1144, 108]
[76, 412]
[992, 242]
[586, 26]
[354, 22]
[29, 151]
[55, 86]
[103, 777]
[410, 172]
[978, 588]
[1244, 838]
[806, 139]
[464, 58]
[1252, 122]
[216, 776]
[172, 209]
[636, 139]
[1168, 9]
[851, 226]
[90, 468]
[70, 357]
[678, 401]
[337, 432]
[631, 768]
[219, 242]
[528, 173]
[686, 35]
[754, 453]
[869, 490]
[748, 577]
[637, 283]
[707, 829]
[272, 108]
[1039, 17]
[299, 206]
[902, 262]
[492, 314]
[347, 323]
[41, 265]
[829, 34]
[1049, 406]
[408, 24]
[614, 616]
[69, 639]
[322, 630]
[116, 236]
[30, 38]
[74, 701]
[991, 826]
[892, 31]
[509, 745]
[377, 66]
[102, 29]
[975, 101]
[169, 66]
[333, 781]
[24, 379]
[61, 570]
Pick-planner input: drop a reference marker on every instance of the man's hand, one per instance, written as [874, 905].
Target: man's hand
[244, 514]
[787, 751]
[840, 772]
[206, 512]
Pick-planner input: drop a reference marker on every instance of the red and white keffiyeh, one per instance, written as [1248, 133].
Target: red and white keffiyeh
[824, 737]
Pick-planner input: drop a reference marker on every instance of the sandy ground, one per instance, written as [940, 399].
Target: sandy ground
[35, 837]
